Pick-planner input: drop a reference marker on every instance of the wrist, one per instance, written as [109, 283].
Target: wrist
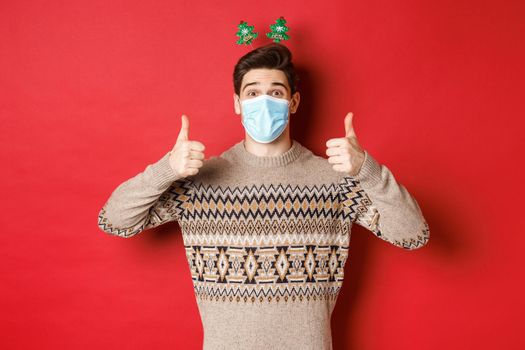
[369, 173]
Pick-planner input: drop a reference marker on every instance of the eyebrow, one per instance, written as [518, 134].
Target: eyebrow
[273, 83]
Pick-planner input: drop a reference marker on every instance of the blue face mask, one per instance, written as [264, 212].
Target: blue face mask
[265, 117]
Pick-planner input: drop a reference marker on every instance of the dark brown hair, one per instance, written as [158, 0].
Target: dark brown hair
[271, 56]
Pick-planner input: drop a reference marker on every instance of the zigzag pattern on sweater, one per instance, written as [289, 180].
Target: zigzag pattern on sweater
[272, 293]
[283, 232]
[266, 242]
[263, 201]
[168, 207]
[358, 204]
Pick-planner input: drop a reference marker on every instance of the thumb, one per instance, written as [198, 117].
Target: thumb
[184, 129]
[349, 127]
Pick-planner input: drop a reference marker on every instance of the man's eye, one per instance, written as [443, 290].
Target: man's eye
[279, 93]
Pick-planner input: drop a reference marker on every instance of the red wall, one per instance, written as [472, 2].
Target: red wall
[92, 91]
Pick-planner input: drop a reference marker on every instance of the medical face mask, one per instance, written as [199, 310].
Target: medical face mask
[265, 117]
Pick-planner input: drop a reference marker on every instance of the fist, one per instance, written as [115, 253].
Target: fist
[345, 153]
[187, 156]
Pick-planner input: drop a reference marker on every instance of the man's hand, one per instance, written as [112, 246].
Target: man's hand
[345, 153]
[187, 156]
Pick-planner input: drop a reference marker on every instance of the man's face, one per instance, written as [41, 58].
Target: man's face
[271, 82]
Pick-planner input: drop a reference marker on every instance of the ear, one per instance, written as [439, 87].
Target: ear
[236, 104]
[294, 102]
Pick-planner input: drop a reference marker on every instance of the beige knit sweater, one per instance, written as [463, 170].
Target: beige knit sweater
[267, 238]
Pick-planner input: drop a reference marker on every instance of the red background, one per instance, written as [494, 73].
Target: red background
[91, 92]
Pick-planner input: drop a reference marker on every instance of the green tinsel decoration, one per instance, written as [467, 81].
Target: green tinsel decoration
[246, 34]
[278, 30]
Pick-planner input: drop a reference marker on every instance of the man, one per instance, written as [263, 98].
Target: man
[266, 224]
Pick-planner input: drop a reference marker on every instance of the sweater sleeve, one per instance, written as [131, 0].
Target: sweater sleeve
[151, 198]
[376, 201]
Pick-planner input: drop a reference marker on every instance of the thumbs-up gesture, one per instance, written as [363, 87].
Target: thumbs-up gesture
[345, 153]
[187, 156]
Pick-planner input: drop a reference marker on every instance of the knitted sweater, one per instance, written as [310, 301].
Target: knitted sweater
[267, 237]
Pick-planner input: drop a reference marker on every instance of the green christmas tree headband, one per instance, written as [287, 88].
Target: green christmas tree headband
[277, 32]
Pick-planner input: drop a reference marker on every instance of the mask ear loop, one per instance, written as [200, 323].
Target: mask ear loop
[246, 34]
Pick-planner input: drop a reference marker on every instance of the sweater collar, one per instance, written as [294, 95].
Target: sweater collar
[267, 161]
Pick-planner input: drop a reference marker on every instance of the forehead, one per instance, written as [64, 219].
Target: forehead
[264, 76]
